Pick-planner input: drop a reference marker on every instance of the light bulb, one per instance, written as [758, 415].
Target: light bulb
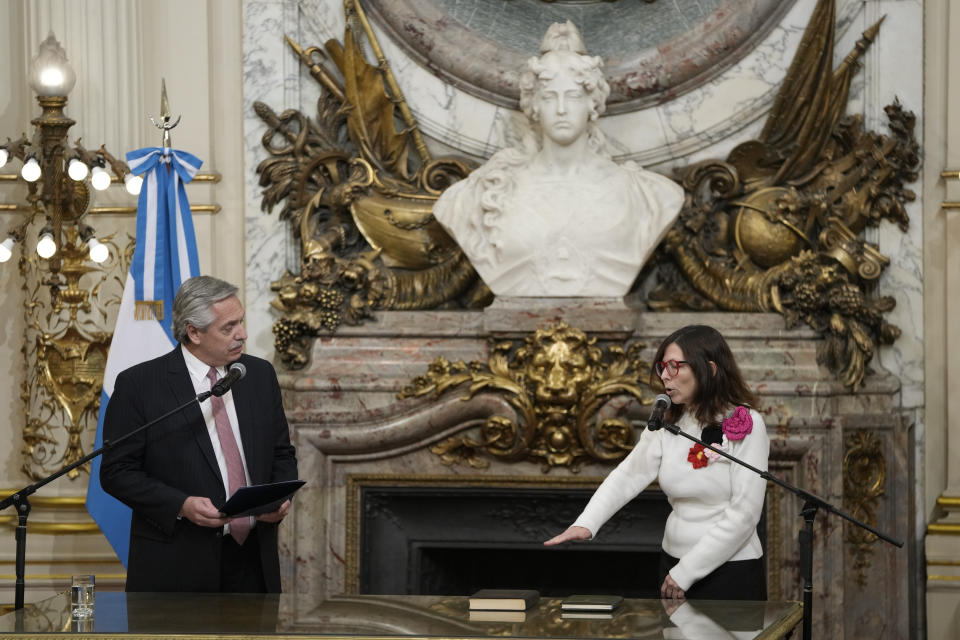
[100, 179]
[77, 169]
[6, 249]
[133, 184]
[99, 252]
[4, 156]
[46, 247]
[50, 72]
[31, 170]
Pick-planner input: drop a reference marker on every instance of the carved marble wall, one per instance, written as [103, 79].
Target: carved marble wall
[349, 426]
[352, 431]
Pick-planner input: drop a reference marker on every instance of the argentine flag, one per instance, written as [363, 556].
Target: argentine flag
[165, 256]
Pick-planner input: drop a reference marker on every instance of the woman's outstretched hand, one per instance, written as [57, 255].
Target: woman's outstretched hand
[572, 534]
[670, 589]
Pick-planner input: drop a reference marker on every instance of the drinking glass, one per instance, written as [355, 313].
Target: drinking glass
[82, 596]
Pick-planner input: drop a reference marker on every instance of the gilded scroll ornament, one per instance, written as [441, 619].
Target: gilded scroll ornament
[560, 384]
[864, 476]
[65, 352]
[777, 226]
[359, 194]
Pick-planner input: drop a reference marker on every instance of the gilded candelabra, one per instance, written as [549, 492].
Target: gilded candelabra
[65, 348]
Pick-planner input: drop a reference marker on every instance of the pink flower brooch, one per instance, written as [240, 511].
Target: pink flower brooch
[738, 425]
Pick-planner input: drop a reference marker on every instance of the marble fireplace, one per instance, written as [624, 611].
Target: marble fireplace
[441, 538]
[382, 513]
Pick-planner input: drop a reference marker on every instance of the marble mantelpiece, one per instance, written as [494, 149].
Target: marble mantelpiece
[350, 429]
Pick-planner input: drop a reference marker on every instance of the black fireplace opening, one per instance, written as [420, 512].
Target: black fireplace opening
[457, 540]
[465, 570]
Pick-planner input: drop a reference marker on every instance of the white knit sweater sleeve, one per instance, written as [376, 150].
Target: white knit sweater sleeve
[739, 521]
[628, 479]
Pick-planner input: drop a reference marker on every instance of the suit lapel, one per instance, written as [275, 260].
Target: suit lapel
[243, 393]
[182, 389]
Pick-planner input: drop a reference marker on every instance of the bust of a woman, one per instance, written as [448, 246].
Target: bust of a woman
[556, 216]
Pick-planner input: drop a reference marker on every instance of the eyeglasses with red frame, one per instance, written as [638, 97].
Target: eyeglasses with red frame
[673, 366]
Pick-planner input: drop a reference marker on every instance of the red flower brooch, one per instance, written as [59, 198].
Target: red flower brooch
[739, 424]
[697, 457]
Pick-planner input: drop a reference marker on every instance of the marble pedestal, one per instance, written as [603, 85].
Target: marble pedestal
[351, 431]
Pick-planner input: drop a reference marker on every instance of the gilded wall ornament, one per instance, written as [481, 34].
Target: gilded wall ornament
[776, 227]
[864, 476]
[558, 382]
[65, 352]
[359, 194]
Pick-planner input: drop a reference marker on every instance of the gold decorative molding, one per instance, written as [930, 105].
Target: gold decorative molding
[949, 204]
[194, 208]
[950, 504]
[106, 559]
[54, 502]
[556, 381]
[53, 528]
[212, 176]
[950, 174]
[945, 529]
[864, 476]
[62, 576]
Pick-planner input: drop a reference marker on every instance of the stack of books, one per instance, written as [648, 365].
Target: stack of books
[596, 607]
[502, 605]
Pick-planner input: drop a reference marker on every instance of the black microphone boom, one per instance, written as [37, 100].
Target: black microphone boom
[660, 404]
[223, 385]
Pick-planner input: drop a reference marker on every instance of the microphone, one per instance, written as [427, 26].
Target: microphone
[660, 404]
[236, 372]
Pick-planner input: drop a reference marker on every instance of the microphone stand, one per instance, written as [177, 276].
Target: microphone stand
[20, 498]
[811, 504]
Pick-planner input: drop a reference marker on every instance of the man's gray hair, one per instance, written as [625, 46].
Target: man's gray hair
[193, 302]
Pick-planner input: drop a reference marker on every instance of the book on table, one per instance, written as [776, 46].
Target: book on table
[587, 615]
[504, 599]
[484, 615]
[588, 602]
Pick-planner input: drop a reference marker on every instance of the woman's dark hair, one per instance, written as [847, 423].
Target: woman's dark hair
[715, 392]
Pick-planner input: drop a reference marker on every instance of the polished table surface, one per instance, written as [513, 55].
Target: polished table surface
[166, 615]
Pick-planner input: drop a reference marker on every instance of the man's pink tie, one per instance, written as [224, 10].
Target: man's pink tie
[239, 527]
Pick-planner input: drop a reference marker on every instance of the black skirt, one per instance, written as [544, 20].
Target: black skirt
[733, 580]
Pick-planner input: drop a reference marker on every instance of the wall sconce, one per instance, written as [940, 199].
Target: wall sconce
[65, 347]
[58, 175]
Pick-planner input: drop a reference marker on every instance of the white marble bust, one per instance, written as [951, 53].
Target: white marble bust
[556, 216]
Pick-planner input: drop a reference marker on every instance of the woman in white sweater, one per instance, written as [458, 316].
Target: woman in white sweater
[710, 545]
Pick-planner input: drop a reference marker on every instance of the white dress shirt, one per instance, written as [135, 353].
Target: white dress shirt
[198, 376]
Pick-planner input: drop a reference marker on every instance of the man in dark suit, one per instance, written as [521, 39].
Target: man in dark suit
[173, 474]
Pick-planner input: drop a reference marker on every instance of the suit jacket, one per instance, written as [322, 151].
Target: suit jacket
[154, 471]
